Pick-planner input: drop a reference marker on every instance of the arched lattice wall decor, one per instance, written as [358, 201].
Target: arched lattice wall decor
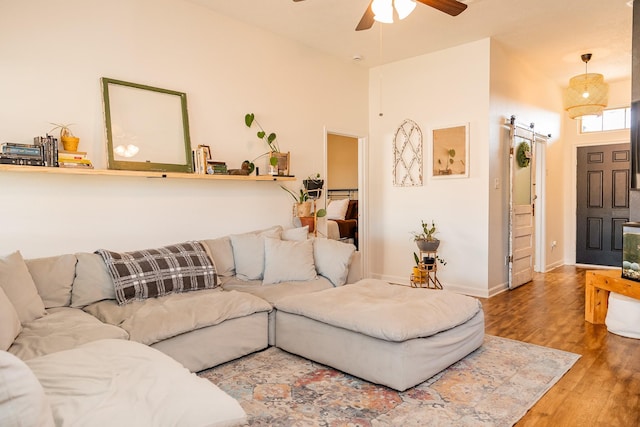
[407, 155]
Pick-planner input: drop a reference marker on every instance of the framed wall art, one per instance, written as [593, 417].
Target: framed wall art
[450, 154]
[147, 127]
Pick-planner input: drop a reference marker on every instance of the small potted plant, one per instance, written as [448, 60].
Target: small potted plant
[313, 184]
[270, 140]
[302, 204]
[69, 140]
[425, 238]
[419, 273]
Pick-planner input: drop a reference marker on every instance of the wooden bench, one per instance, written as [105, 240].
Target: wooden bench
[598, 284]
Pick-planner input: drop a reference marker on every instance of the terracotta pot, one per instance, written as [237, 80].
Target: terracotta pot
[303, 209]
[308, 220]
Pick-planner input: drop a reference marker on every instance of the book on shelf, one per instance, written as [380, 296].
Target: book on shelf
[22, 150]
[216, 167]
[76, 163]
[62, 154]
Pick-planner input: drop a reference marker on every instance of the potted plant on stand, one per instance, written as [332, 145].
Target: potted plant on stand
[274, 153]
[304, 210]
[425, 238]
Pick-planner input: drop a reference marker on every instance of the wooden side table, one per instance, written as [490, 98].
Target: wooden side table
[598, 285]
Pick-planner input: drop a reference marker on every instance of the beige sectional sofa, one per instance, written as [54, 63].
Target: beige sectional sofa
[60, 308]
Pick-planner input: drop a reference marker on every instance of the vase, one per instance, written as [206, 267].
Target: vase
[428, 245]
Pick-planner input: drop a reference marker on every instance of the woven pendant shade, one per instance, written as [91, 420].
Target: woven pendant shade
[587, 93]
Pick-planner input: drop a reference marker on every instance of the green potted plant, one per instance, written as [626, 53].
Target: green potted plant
[419, 273]
[313, 184]
[69, 140]
[302, 204]
[269, 139]
[425, 237]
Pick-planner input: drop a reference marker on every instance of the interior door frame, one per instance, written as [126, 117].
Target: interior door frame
[363, 211]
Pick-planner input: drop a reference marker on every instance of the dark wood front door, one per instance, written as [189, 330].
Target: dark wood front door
[602, 203]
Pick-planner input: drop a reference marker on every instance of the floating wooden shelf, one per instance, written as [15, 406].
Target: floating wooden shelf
[142, 174]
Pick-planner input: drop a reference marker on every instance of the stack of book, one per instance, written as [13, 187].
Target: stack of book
[73, 159]
[13, 153]
[216, 168]
[49, 146]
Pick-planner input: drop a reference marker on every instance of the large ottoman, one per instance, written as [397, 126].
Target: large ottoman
[391, 335]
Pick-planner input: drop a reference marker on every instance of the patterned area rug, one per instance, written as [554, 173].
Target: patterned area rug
[493, 386]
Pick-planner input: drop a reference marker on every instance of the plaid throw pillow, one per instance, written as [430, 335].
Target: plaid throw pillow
[151, 273]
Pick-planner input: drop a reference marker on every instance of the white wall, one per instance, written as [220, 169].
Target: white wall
[434, 90]
[52, 55]
[619, 96]
[518, 89]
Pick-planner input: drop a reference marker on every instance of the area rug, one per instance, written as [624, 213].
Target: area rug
[493, 386]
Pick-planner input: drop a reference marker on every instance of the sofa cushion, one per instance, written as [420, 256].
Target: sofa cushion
[156, 319]
[63, 328]
[221, 253]
[288, 261]
[160, 271]
[22, 399]
[18, 284]
[248, 253]
[297, 234]
[92, 282]
[53, 277]
[275, 292]
[10, 325]
[124, 383]
[332, 259]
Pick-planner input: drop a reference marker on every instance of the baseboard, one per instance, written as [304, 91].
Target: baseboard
[550, 267]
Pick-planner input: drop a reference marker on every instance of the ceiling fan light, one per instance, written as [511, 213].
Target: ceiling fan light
[404, 7]
[382, 11]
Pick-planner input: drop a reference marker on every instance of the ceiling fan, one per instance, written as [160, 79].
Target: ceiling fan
[450, 7]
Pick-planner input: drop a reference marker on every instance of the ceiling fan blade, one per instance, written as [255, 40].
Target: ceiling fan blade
[450, 7]
[367, 19]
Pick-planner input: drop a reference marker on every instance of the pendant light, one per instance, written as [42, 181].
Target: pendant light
[587, 93]
[383, 9]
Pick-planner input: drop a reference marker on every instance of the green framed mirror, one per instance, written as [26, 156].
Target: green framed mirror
[147, 127]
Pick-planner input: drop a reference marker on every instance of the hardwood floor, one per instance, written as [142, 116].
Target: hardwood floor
[603, 387]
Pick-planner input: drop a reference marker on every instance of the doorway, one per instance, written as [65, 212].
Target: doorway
[602, 203]
[345, 179]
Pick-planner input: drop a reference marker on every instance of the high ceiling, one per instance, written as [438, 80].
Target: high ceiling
[549, 35]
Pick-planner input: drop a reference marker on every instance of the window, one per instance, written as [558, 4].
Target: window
[614, 119]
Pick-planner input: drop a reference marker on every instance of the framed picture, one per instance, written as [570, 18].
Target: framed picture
[450, 154]
[283, 162]
[147, 127]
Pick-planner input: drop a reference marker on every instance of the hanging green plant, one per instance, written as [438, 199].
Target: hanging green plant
[523, 155]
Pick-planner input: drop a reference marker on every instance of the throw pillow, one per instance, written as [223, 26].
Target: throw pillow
[53, 277]
[337, 209]
[248, 253]
[297, 234]
[22, 398]
[92, 282]
[18, 284]
[151, 273]
[221, 253]
[288, 261]
[10, 325]
[332, 259]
